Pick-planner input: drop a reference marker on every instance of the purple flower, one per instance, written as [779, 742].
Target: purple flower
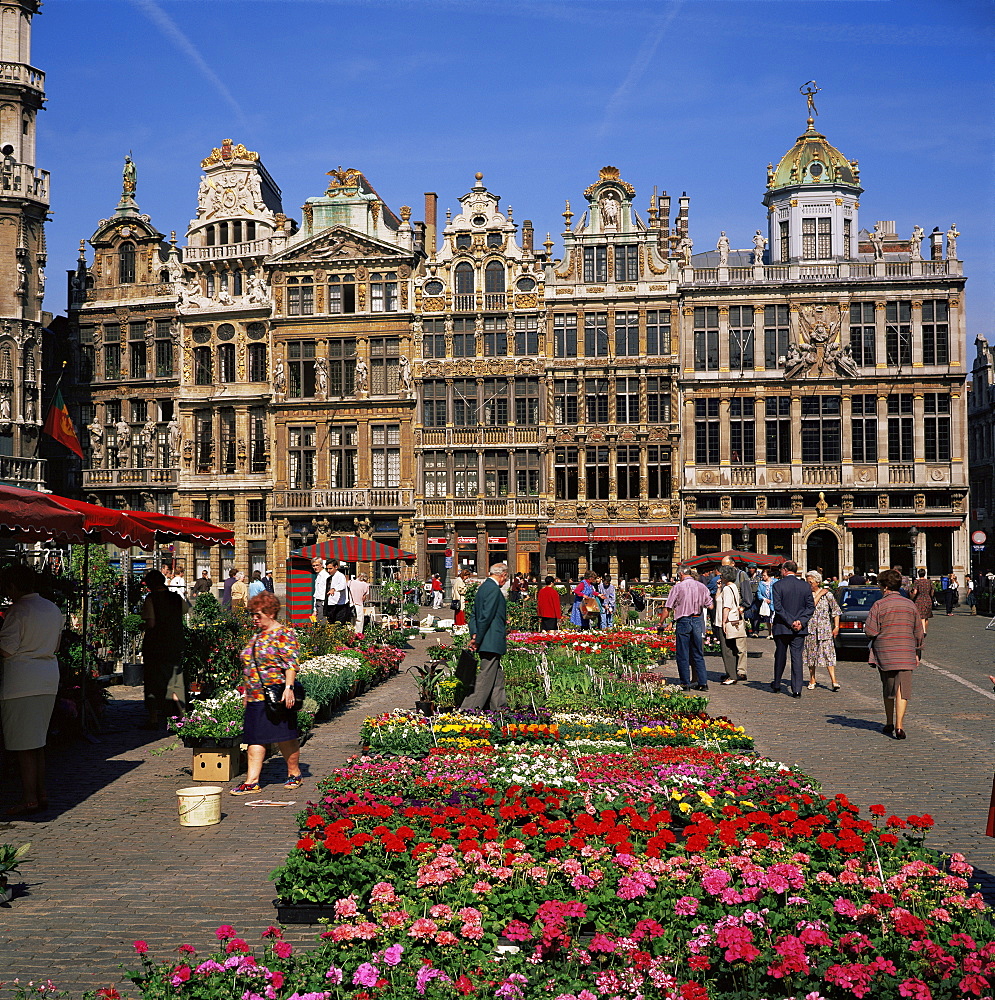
[425, 975]
[392, 956]
[334, 974]
[366, 975]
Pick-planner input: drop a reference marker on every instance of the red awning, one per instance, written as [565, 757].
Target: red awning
[615, 533]
[169, 528]
[352, 548]
[906, 522]
[740, 557]
[734, 524]
[38, 516]
[105, 524]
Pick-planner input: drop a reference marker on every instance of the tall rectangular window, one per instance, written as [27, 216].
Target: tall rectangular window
[341, 293]
[257, 439]
[658, 472]
[847, 238]
[164, 358]
[495, 336]
[936, 426]
[527, 473]
[706, 431]
[821, 430]
[434, 409]
[527, 335]
[742, 435]
[226, 427]
[627, 471]
[597, 472]
[706, 338]
[864, 425]
[565, 401]
[226, 364]
[901, 446]
[258, 371]
[658, 400]
[203, 426]
[775, 335]
[257, 510]
[862, 333]
[935, 332]
[301, 453]
[817, 238]
[565, 335]
[342, 366]
[203, 366]
[527, 402]
[497, 473]
[784, 241]
[465, 474]
[464, 402]
[494, 406]
[777, 429]
[137, 351]
[464, 338]
[627, 334]
[740, 338]
[565, 472]
[386, 454]
[627, 400]
[112, 351]
[658, 331]
[435, 479]
[300, 365]
[898, 333]
[596, 397]
[596, 335]
[595, 264]
[383, 292]
[384, 365]
[433, 343]
[626, 262]
[342, 441]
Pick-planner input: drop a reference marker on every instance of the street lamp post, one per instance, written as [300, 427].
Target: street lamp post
[744, 539]
[590, 547]
[913, 535]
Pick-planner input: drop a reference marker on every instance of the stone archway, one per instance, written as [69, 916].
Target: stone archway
[822, 549]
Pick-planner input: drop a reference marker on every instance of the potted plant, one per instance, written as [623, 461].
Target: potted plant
[10, 858]
[134, 671]
[428, 677]
[213, 722]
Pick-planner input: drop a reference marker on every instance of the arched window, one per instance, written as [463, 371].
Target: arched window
[210, 236]
[126, 264]
[29, 363]
[164, 277]
[383, 292]
[464, 279]
[494, 276]
[236, 283]
[6, 369]
[222, 233]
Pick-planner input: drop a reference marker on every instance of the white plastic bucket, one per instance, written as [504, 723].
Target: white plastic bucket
[199, 806]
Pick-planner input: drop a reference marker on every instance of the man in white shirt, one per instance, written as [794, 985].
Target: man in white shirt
[337, 605]
[178, 585]
[359, 590]
[320, 586]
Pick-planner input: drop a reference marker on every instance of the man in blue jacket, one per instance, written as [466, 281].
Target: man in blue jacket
[793, 607]
[488, 628]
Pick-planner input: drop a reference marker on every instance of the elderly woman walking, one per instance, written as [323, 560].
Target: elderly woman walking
[824, 626]
[895, 630]
[922, 597]
[731, 626]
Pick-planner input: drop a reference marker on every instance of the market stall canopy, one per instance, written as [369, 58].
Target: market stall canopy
[33, 516]
[168, 528]
[740, 557]
[352, 549]
[104, 524]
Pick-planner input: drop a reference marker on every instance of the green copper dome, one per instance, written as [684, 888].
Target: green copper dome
[812, 160]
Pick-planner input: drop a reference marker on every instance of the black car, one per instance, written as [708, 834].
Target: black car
[855, 604]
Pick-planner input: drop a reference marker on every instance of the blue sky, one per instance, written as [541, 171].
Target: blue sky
[688, 95]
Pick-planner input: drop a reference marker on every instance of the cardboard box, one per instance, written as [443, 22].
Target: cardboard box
[221, 764]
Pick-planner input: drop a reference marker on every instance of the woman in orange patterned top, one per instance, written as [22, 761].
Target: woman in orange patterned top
[270, 658]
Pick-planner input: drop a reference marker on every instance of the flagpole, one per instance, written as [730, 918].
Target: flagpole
[58, 385]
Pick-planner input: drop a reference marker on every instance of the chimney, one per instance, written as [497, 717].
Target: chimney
[936, 244]
[431, 214]
[682, 214]
[527, 235]
[664, 230]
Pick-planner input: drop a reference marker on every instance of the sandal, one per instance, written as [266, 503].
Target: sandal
[811, 686]
[245, 789]
[293, 781]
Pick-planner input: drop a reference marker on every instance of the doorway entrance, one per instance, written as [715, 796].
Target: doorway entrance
[823, 554]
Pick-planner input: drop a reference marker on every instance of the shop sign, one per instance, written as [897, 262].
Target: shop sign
[497, 539]
[467, 539]
[436, 540]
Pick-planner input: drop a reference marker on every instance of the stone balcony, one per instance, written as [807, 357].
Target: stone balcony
[23, 180]
[26, 473]
[227, 251]
[380, 499]
[433, 437]
[130, 477]
[504, 507]
[23, 74]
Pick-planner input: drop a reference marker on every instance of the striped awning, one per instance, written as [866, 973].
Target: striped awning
[352, 548]
[614, 533]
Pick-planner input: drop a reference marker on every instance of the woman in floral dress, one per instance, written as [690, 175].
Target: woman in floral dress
[270, 658]
[819, 649]
[922, 595]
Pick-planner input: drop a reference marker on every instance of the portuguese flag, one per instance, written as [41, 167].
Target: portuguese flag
[59, 425]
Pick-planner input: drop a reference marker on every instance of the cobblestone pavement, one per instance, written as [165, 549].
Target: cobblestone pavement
[110, 863]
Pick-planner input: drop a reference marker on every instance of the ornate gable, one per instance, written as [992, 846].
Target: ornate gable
[338, 244]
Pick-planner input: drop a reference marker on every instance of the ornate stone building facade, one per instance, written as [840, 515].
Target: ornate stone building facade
[23, 209]
[464, 395]
[981, 446]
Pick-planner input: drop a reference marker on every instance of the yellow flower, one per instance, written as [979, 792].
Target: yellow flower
[684, 807]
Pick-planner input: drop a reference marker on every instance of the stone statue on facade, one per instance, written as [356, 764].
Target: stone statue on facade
[96, 433]
[684, 248]
[123, 431]
[405, 381]
[723, 248]
[150, 432]
[5, 407]
[759, 246]
[224, 297]
[129, 178]
[609, 211]
[915, 243]
[40, 277]
[203, 193]
[258, 292]
[876, 236]
[279, 377]
[30, 414]
[22, 278]
[173, 435]
[189, 294]
[360, 377]
[321, 375]
[952, 235]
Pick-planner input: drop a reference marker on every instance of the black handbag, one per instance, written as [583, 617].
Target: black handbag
[466, 671]
[276, 710]
[454, 605]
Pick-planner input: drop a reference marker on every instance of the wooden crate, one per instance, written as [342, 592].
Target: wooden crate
[221, 764]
